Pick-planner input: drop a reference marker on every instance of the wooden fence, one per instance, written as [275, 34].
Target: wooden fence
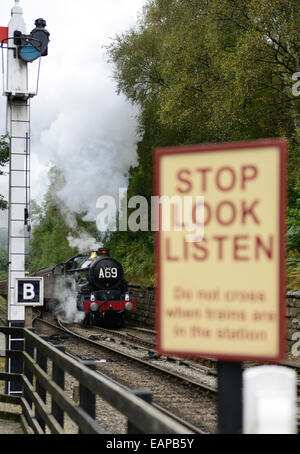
[44, 400]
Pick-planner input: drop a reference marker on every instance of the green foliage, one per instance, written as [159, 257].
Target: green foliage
[135, 253]
[293, 244]
[49, 243]
[3, 263]
[4, 158]
[3, 253]
[4, 152]
[200, 71]
[51, 226]
[210, 71]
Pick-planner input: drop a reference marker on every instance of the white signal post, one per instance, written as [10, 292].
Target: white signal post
[18, 131]
[16, 90]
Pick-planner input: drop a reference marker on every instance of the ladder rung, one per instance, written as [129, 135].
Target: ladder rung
[19, 105]
[18, 253]
[18, 203]
[20, 121]
[19, 170]
[20, 137]
[19, 187]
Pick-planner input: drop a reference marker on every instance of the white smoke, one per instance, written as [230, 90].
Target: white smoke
[93, 142]
[64, 306]
[84, 242]
[79, 123]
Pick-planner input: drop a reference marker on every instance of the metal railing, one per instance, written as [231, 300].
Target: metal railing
[45, 402]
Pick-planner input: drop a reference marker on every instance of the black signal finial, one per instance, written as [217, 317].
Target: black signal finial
[40, 23]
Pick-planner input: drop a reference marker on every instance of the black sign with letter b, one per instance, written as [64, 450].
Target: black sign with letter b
[29, 292]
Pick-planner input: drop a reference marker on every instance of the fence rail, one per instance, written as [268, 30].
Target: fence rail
[40, 413]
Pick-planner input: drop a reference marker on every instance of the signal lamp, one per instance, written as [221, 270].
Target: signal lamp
[35, 45]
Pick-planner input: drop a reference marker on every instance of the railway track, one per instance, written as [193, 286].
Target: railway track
[179, 387]
[146, 363]
[135, 358]
[127, 337]
[135, 342]
[162, 370]
[189, 426]
[213, 361]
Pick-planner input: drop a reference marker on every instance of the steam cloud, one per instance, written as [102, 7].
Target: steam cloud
[94, 145]
[79, 122]
[84, 242]
[65, 306]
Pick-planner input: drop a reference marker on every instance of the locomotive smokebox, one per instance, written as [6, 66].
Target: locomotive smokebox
[105, 272]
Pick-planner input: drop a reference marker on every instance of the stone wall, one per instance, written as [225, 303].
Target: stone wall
[145, 302]
[145, 313]
[293, 322]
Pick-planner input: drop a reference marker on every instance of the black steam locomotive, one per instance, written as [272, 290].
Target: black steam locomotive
[102, 292]
[97, 283]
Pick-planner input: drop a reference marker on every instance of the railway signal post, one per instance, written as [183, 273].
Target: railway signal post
[221, 291]
[21, 50]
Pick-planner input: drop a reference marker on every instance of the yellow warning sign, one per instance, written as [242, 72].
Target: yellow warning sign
[220, 250]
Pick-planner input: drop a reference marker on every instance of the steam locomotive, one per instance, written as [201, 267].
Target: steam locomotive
[97, 283]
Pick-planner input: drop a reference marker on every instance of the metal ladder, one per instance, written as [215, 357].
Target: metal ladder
[19, 216]
[19, 183]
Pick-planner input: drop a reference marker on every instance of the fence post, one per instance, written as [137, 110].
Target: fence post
[146, 395]
[87, 399]
[29, 349]
[230, 400]
[14, 364]
[42, 362]
[59, 378]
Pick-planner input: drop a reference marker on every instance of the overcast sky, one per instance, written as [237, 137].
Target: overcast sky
[78, 121]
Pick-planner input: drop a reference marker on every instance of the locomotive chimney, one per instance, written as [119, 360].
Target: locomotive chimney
[103, 251]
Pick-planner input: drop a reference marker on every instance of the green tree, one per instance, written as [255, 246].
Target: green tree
[49, 244]
[210, 71]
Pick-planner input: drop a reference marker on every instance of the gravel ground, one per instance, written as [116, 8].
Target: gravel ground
[143, 353]
[10, 428]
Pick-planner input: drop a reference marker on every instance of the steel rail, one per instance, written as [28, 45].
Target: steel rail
[178, 419]
[190, 382]
[189, 363]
